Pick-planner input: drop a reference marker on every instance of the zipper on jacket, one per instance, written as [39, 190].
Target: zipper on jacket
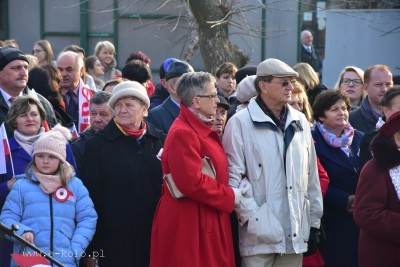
[51, 226]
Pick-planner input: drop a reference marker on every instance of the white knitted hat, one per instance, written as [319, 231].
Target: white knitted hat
[129, 88]
[53, 142]
[246, 89]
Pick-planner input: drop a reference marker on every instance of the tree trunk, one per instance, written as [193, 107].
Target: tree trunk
[212, 18]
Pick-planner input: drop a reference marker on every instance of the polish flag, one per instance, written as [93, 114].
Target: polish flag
[31, 260]
[5, 154]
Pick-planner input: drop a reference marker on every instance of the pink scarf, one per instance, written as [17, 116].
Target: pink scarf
[48, 183]
[343, 141]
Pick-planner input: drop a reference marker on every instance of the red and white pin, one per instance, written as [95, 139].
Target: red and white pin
[62, 194]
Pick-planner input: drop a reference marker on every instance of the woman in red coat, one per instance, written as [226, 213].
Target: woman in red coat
[194, 230]
[377, 201]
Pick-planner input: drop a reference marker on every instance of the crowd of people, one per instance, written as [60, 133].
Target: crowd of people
[252, 166]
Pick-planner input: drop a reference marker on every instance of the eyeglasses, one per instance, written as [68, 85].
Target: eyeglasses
[208, 96]
[285, 83]
[37, 51]
[354, 81]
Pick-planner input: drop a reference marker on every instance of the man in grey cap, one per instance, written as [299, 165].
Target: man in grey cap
[13, 80]
[270, 144]
[164, 115]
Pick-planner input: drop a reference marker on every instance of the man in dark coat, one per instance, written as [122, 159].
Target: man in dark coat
[161, 93]
[164, 115]
[390, 105]
[100, 116]
[308, 53]
[377, 80]
[13, 81]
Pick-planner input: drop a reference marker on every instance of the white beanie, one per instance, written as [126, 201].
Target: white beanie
[129, 88]
[53, 142]
[246, 89]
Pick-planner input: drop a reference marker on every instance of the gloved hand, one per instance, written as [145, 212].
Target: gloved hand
[238, 195]
[245, 186]
[245, 205]
[314, 241]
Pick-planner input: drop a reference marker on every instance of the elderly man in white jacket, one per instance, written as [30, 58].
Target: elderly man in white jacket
[269, 145]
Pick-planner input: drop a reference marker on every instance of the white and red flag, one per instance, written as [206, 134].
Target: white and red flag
[6, 165]
[30, 260]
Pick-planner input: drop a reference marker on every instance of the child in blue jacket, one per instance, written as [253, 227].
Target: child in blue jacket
[50, 205]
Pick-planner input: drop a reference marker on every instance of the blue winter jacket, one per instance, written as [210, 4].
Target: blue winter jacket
[63, 229]
[20, 159]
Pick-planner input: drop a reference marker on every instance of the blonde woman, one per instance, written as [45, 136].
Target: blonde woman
[105, 52]
[350, 83]
[310, 80]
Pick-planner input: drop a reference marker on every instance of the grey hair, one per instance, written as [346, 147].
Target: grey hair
[78, 58]
[100, 98]
[191, 84]
[304, 33]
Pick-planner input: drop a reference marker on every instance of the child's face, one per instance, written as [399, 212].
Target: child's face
[46, 163]
[106, 56]
[227, 83]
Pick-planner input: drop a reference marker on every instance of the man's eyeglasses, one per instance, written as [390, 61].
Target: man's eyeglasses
[354, 81]
[208, 96]
[285, 83]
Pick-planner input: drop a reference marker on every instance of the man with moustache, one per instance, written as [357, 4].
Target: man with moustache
[13, 80]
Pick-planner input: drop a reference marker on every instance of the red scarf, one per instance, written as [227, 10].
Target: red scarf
[134, 133]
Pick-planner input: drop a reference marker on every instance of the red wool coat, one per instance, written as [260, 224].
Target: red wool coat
[193, 231]
[377, 212]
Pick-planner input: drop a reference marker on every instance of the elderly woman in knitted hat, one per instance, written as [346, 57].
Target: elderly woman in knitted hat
[377, 202]
[124, 178]
[50, 205]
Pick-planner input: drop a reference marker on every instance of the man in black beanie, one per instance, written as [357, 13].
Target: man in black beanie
[13, 80]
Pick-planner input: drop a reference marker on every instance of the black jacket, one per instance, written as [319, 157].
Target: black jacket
[362, 120]
[79, 145]
[311, 58]
[160, 94]
[124, 179]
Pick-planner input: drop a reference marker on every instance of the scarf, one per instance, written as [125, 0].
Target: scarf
[343, 141]
[83, 101]
[48, 183]
[368, 111]
[207, 120]
[380, 123]
[26, 142]
[137, 134]
[395, 175]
